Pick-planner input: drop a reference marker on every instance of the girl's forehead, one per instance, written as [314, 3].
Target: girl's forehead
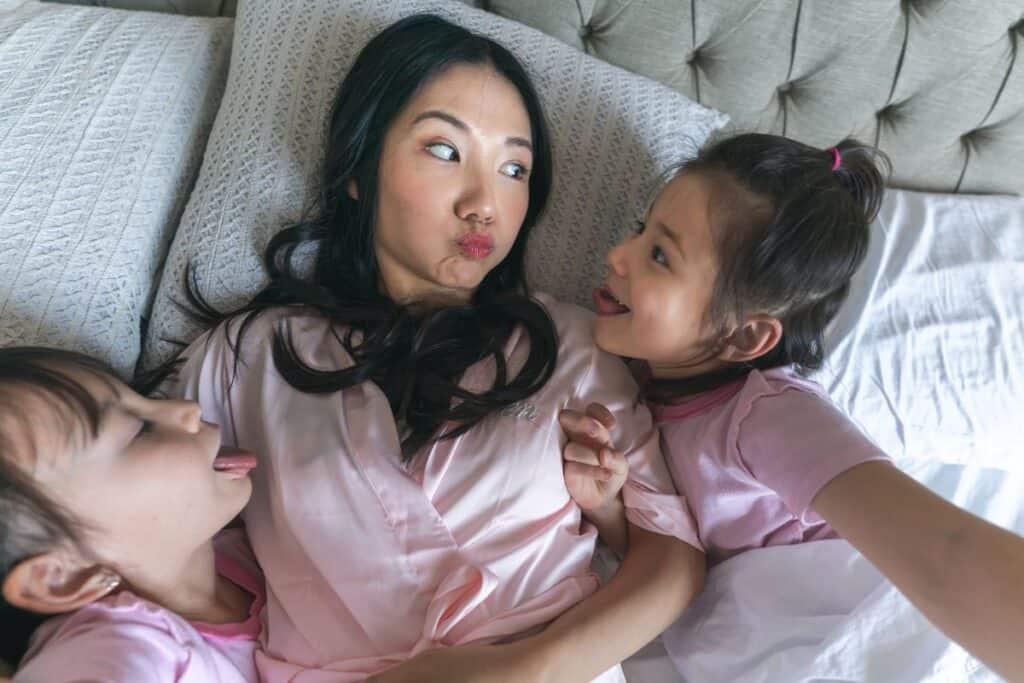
[40, 423]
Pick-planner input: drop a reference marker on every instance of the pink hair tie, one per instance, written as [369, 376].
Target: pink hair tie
[836, 159]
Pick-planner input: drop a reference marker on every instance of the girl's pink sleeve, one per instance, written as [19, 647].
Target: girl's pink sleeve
[650, 497]
[796, 441]
[106, 651]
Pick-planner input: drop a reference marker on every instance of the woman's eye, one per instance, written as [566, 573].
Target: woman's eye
[659, 256]
[514, 170]
[443, 151]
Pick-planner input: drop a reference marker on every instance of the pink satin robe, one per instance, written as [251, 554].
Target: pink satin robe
[369, 561]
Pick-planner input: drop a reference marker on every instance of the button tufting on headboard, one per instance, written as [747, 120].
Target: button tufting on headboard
[916, 77]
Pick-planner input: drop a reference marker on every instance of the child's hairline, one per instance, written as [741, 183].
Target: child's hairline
[71, 413]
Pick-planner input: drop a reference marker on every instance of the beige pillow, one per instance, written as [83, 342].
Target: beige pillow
[103, 119]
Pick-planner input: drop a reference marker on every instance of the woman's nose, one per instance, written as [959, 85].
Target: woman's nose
[476, 203]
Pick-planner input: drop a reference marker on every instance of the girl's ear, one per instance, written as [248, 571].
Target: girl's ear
[756, 337]
[57, 582]
[350, 187]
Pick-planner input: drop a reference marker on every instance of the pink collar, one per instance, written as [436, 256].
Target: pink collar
[249, 629]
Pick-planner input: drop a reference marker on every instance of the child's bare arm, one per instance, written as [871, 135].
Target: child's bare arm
[658, 578]
[962, 572]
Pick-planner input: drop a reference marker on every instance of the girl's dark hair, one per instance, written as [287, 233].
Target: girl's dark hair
[415, 353]
[790, 233]
[31, 523]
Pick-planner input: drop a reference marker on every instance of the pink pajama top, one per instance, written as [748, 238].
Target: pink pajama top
[124, 638]
[751, 456]
[369, 561]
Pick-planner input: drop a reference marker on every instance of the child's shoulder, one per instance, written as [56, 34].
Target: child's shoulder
[123, 635]
[782, 383]
[782, 402]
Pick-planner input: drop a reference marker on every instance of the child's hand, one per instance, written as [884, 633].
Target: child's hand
[594, 471]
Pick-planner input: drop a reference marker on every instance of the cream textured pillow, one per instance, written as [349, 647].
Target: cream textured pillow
[103, 119]
[613, 133]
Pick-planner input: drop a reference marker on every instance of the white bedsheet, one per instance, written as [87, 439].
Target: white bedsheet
[927, 354]
[820, 612]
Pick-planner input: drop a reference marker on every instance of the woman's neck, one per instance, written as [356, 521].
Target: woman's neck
[198, 592]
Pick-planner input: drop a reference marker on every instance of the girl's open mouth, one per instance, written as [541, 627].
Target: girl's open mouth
[606, 303]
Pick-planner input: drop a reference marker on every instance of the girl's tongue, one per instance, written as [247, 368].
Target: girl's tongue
[234, 460]
[607, 304]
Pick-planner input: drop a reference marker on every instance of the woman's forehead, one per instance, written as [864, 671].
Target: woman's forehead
[476, 94]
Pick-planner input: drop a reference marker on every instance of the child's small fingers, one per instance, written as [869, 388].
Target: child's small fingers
[600, 413]
[579, 453]
[613, 461]
[570, 420]
[580, 427]
[579, 470]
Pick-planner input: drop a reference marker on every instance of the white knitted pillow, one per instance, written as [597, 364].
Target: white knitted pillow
[103, 118]
[613, 132]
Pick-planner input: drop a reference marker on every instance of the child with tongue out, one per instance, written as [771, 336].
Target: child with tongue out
[723, 296]
[111, 514]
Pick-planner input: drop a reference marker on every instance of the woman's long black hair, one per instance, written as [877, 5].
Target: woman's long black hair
[415, 353]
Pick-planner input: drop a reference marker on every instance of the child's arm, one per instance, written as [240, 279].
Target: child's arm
[595, 472]
[965, 574]
[658, 578]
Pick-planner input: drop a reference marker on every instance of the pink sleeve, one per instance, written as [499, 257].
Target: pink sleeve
[796, 441]
[650, 497]
[106, 651]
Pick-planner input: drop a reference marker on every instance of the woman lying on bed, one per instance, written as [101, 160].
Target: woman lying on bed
[404, 400]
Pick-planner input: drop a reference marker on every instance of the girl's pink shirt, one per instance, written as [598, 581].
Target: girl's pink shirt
[370, 561]
[126, 639]
[751, 456]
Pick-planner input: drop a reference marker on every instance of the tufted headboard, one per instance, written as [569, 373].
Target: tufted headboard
[937, 84]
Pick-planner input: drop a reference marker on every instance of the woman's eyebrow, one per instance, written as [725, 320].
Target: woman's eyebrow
[443, 115]
[461, 125]
[519, 142]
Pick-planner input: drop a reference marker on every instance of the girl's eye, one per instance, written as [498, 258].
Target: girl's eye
[514, 170]
[659, 256]
[443, 151]
[640, 227]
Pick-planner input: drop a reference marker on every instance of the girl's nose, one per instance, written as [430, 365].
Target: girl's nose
[184, 415]
[617, 259]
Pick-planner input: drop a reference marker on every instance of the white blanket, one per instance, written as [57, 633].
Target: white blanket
[821, 612]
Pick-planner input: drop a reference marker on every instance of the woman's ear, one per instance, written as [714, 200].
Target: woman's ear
[352, 189]
[754, 338]
[57, 582]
